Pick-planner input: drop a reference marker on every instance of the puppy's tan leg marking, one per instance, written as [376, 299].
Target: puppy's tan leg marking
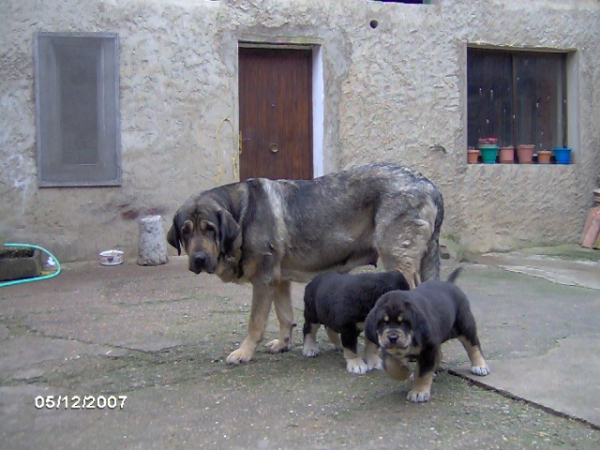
[334, 338]
[262, 296]
[421, 390]
[285, 314]
[396, 369]
[354, 362]
[478, 364]
[310, 347]
[372, 357]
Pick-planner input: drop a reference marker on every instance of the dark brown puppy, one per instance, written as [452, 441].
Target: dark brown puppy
[341, 303]
[412, 325]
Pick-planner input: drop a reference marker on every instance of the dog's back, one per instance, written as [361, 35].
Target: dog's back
[446, 305]
[333, 299]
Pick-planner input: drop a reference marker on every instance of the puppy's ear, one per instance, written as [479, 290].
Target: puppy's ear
[371, 326]
[173, 236]
[229, 231]
[422, 333]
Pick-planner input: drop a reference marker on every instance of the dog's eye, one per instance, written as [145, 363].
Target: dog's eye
[187, 228]
[386, 319]
[210, 228]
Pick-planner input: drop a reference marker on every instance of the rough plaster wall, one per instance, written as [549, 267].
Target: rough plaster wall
[391, 93]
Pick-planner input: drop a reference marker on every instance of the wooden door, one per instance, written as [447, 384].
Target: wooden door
[275, 89]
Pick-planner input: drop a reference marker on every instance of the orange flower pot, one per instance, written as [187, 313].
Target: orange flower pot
[544, 156]
[472, 156]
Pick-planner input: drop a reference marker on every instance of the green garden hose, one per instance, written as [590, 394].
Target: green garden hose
[29, 280]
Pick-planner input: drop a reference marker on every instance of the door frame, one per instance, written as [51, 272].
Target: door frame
[318, 96]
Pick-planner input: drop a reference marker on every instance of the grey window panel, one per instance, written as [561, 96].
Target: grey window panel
[77, 109]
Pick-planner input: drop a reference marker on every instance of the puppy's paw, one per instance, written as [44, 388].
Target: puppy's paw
[240, 355]
[418, 396]
[482, 371]
[276, 346]
[310, 350]
[357, 366]
[374, 362]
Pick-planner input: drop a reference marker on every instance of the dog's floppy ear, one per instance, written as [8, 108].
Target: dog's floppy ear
[371, 325]
[422, 333]
[173, 236]
[229, 231]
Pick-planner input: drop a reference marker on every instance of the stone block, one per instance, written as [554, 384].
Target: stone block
[152, 242]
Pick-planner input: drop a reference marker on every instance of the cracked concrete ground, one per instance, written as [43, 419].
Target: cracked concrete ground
[159, 335]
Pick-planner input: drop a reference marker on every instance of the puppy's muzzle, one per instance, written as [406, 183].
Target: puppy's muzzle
[201, 261]
[394, 339]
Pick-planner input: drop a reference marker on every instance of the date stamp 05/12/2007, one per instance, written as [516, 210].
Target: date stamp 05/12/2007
[78, 402]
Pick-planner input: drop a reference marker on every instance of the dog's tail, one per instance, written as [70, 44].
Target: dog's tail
[454, 275]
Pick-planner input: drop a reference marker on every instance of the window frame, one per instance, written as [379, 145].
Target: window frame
[53, 170]
[561, 133]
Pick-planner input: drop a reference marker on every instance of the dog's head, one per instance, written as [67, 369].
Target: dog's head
[206, 231]
[396, 324]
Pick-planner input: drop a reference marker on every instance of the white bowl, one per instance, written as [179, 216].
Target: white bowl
[111, 257]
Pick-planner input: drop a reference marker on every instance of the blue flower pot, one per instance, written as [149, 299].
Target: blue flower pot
[562, 155]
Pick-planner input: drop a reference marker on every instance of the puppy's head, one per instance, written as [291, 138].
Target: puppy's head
[394, 324]
[205, 231]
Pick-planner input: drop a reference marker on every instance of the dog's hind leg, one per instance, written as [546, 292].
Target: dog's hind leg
[402, 237]
[285, 314]
[478, 363]
[262, 297]
[334, 338]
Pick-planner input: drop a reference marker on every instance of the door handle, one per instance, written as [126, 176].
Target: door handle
[274, 148]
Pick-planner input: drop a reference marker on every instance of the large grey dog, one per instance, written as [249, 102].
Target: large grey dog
[270, 233]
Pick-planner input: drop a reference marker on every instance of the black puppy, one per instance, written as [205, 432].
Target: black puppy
[411, 326]
[341, 302]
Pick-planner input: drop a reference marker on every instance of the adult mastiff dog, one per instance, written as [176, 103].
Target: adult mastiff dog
[270, 233]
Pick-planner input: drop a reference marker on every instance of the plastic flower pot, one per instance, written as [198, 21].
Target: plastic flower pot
[489, 153]
[562, 155]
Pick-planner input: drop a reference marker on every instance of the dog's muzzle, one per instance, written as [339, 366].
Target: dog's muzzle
[394, 339]
[201, 261]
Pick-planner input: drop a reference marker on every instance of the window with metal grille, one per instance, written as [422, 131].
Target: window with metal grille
[517, 97]
[77, 109]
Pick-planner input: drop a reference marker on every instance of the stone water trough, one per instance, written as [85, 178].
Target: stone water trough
[18, 263]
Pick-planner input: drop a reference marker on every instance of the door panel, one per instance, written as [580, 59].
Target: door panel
[275, 89]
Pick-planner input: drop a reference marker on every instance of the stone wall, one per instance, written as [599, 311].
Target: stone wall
[393, 92]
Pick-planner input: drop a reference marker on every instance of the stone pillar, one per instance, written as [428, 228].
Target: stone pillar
[152, 244]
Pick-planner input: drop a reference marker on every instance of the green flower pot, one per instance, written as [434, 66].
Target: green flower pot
[489, 153]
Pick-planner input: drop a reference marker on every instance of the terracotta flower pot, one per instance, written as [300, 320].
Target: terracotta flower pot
[544, 156]
[506, 155]
[525, 153]
[472, 156]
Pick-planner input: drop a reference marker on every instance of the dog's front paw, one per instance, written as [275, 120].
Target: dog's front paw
[276, 346]
[240, 355]
[482, 371]
[374, 362]
[310, 350]
[357, 366]
[418, 396]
